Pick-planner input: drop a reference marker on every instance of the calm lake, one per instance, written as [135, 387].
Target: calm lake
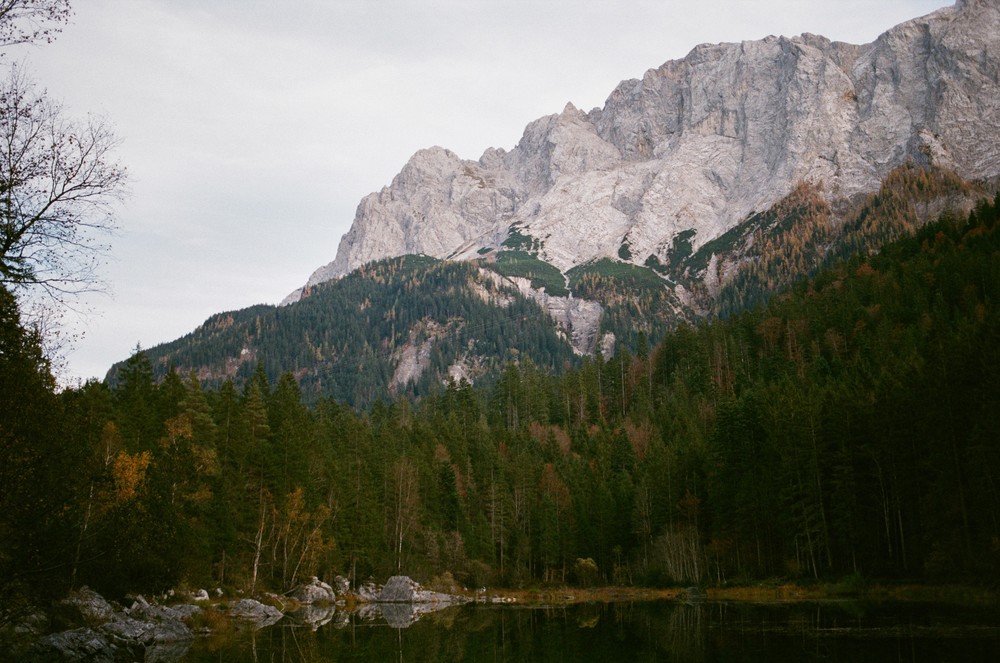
[710, 631]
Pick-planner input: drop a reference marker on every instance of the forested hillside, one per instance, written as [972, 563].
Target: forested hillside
[348, 339]
[803, 232]
[849, 426]
[402, 326]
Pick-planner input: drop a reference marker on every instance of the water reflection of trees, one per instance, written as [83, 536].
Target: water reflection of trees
[667, 631]
[674, 631]
[584, 632]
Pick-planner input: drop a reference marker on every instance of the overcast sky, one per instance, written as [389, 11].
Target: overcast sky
[252, 128]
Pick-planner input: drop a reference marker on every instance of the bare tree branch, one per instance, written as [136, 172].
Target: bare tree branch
[59, 186]
[30, 21]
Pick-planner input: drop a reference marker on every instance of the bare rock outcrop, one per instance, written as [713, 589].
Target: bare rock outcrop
[700, 143]
[102, 633]
[254, 613]
[403, 589]
[84, 606]
[314, 591]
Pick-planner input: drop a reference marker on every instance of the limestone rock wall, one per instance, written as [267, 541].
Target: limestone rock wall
[701, 143]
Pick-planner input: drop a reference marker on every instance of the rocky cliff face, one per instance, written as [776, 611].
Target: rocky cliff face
[701, 143]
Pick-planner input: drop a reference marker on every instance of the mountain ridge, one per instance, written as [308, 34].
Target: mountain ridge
[701, 144]
[587, 238]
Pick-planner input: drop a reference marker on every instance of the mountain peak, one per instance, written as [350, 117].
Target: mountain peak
[697, 145]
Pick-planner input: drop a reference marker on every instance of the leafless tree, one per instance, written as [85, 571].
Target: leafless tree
[59, 184]
[30, 21]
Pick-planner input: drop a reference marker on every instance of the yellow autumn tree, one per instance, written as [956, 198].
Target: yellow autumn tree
[129, 472]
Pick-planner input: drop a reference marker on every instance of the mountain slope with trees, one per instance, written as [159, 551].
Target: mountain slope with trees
[349, 338]
[848, 427]
[407, 325]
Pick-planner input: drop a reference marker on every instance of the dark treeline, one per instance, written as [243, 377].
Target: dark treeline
[851, 426]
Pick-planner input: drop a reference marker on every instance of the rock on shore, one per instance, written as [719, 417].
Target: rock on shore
[94, 630]
[89, 628]
[103, 633]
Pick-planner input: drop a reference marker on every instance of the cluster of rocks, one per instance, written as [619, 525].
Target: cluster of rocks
[317, 591]
[87, 627]
[401, 601]
[95, 630]
[402, 589]
[317, 602]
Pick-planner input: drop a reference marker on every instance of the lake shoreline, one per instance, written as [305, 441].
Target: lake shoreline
[167, 627]
[762, 593]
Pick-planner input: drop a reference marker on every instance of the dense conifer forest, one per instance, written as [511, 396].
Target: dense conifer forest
[847, 427]
[345, 339]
